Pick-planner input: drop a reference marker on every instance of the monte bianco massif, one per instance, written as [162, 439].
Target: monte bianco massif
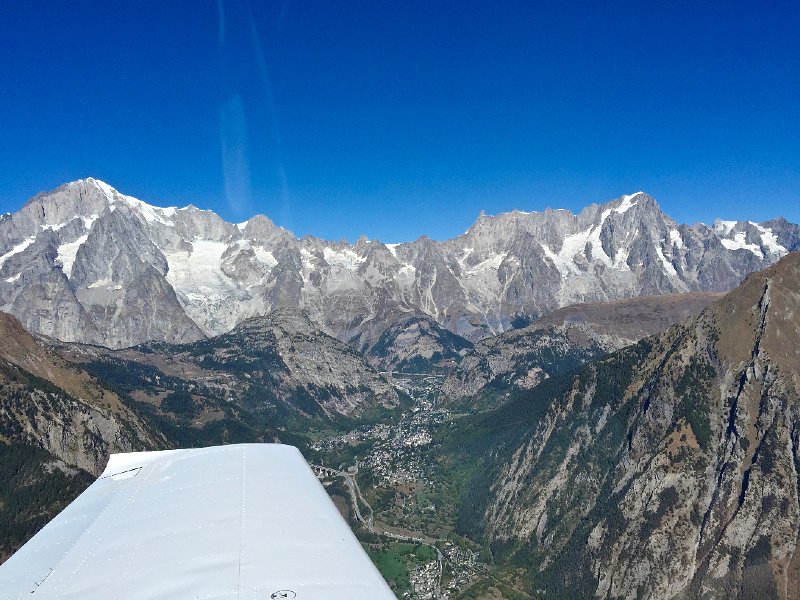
[550, 405]
[86, 263]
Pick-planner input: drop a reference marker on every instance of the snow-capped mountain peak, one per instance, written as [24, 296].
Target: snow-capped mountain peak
[88, 263]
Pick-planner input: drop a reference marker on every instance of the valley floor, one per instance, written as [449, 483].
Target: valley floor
[387, 483]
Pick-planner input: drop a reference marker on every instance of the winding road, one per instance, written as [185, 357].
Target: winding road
[356, 496]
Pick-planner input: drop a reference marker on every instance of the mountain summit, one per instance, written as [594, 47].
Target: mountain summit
[87, 263]
[666, 470]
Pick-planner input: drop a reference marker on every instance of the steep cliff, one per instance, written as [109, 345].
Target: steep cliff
[47, 402]
[667, 470]
[57, 428]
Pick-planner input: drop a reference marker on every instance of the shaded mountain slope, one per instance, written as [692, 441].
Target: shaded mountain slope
[50, 403]
[57, 428]
[279, 367]
[565, 339]
[667, 470]
[417, 344]
[65, 407]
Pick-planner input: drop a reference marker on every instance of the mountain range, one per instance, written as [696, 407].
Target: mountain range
[85, 263]
[64, 407]
[618, 424]
[668, 469]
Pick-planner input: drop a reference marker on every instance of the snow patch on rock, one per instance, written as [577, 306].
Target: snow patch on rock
[16, 249]
[67, 253]
[739, 242]
[345, 259]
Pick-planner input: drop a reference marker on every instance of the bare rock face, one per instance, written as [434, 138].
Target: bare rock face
[668, 469]
[86, 263]
[78, 433]
[417, 344]
[279, 369]
[49, 403]
[565, 339]
[520, 360]
[330, 375]
[118, 271]
[85, 269]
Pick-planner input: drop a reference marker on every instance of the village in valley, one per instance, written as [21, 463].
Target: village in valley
[383, 479]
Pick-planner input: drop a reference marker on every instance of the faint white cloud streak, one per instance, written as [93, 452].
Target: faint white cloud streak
[221, 31]
[283, 182]
[235, 162]
[234, 129]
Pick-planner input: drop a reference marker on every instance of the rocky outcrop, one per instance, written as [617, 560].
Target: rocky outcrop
[515, 361]
[76, 432]
[667, 470]
[86, 263]
[562, 341]
[51, 404]
[280, 367]
[417, 344]
[311, 365]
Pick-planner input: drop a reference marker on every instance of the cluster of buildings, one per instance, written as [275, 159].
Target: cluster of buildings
[394, 455]
[464, 568]
[425, 581]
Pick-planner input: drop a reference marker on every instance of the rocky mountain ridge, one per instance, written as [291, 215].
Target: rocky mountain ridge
[64, 407]
[667, 470]
[86, 263]
[278, 367]
[563, 340]
[50, 403]
[417, 344]
[57, 428]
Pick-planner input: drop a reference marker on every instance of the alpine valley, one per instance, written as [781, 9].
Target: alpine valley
[550, 405]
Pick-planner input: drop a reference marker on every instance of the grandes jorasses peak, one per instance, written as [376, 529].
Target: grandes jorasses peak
[86, 263]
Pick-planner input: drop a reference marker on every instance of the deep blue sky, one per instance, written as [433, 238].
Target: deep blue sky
[395, 119]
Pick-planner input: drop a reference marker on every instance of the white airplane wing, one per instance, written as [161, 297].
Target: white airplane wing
[247, 522]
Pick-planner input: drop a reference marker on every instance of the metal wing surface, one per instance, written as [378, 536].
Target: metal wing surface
[246, 521]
